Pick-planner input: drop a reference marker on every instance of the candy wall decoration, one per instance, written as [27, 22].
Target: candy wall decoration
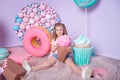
[85, 3]
[34, 15]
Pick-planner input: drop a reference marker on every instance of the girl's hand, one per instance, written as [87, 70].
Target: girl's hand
[69, 50]
[54, 48]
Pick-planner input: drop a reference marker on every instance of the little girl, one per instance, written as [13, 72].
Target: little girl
[58, 31]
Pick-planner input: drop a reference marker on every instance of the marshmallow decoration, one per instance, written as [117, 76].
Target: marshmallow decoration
[35, 14]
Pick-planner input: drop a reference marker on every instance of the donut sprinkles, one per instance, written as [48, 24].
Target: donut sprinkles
[34, 15]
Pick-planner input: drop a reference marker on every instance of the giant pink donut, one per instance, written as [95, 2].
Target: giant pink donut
[44, 46]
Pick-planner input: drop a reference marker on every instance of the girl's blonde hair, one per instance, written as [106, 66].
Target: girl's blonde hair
[54, 30]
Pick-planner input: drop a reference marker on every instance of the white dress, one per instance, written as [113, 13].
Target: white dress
[54, 42]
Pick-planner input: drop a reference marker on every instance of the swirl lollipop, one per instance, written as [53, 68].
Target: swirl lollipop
[85, 3]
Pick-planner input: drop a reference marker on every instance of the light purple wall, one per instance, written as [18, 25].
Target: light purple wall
[103, 22]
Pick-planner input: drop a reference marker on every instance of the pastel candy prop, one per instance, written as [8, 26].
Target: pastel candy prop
[18, 54]
[47, 32]
[33, 15]
[82, 42]
[4, 53]
[82, 56]
[64, 41]
[82, 51]
[99, 72]
[62, 53]
[13, 71]
[85, 3]
[16, 28]
[32, 46]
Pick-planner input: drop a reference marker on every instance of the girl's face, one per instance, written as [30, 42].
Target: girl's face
[59, 31]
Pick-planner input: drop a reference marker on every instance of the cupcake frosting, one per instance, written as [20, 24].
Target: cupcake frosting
[82, 41]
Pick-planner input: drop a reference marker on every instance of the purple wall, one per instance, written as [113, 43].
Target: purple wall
[103, 22]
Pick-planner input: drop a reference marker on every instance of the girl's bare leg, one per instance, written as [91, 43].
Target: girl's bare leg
[75, 68]
[49, 62]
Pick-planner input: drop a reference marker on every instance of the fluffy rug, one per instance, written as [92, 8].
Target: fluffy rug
[62, 71]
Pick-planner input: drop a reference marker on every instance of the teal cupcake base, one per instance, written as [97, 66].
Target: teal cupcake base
[82, 56]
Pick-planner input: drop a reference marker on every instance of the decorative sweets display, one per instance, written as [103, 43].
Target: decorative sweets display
[33, 15]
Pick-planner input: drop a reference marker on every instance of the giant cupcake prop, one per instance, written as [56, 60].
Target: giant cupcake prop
[82, 51]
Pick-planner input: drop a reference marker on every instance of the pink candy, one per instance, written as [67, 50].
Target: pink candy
[47, 24]
[27, 27]
[64, 41]
[20, 15]
[22, 26]
[25, 19]
[32, 15]
[34, 10]
[42, 7]
[42, 20]
[36, 24]
[42, 13]
[52, 21]
[36, 18]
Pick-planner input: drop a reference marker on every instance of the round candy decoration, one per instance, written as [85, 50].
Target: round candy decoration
[34, 15]
[85, 3]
